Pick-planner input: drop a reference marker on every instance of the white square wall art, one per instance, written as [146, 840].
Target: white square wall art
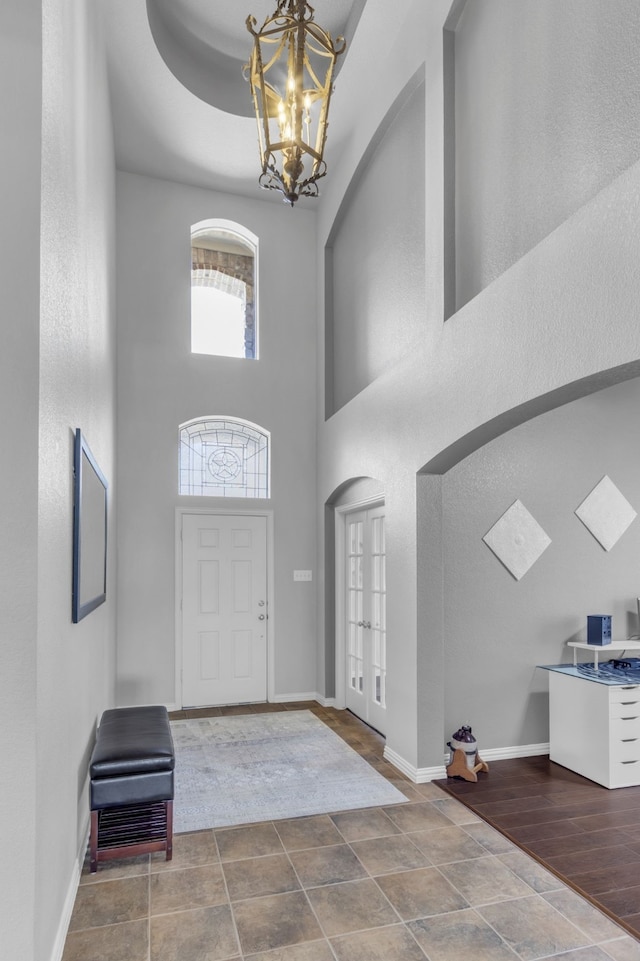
[517, 540]
[606, 513]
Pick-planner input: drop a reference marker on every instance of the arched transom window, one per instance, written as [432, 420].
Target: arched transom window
[224, 457]
[223, 290]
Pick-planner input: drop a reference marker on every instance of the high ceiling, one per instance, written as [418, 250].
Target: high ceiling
[182, 109]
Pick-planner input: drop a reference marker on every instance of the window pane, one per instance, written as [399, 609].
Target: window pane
[217, 323]
[224, 458]
[223, 290]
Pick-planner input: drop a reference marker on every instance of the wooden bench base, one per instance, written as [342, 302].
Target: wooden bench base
[130, 831]
[131, 775]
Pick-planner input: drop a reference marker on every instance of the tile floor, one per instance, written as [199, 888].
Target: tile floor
[415, 881]
[586, 834]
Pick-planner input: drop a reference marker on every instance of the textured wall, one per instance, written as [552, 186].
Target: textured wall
[76, 662]
[377, 256]
[20, 71]
[161, 385]
[546, 114]
[557, 324]
[496, 628]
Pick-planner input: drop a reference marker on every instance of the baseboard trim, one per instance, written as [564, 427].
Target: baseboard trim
[424, 774]
[522, 750]
[169, 707]
[280, 699]
[325, 701]
[284, 698]
[417, 775]
[65, 918]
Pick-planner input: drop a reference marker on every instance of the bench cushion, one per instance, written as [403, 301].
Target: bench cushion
[132, 740]
[133, 758]
[121, 791]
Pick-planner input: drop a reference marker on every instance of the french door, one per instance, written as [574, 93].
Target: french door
[366, 616]
[224, 609]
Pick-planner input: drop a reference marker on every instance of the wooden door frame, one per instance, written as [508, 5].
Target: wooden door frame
[341, 513]
[270, 628]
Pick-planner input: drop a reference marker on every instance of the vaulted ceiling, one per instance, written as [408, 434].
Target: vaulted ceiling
[182, 109]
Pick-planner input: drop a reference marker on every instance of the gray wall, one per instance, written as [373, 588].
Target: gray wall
[161, 385]
[376, 255]
[20, 57]
[558, 323]
[546, 114]
[58, 371]
[498, 629]
[76, 662]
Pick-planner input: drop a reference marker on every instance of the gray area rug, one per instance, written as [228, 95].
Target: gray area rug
[263, 767]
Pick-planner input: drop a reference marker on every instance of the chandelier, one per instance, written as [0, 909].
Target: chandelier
[290, 72]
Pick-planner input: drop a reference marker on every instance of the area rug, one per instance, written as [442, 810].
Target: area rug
[263, 767]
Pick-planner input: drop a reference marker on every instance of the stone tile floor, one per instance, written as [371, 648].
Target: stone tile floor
[421, 880]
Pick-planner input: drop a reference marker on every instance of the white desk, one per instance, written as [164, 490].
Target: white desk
[605, 648]
[594, 727]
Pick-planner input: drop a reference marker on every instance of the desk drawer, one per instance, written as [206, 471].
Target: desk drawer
[625, 750]
[624, 728]
[624, 692]
[624, 773]
[628, 708]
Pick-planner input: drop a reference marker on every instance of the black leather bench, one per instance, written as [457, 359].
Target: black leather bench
[131, 772]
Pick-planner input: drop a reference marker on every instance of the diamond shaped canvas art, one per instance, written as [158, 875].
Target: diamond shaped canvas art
[606, 513]
[517, 540]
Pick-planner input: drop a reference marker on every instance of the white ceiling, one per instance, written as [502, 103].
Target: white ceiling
[221, 23]
[182, 109]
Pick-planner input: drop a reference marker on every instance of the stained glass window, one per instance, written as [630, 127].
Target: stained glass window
[224, 457]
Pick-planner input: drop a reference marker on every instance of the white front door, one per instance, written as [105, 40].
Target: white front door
[224, 609]
[366, 616]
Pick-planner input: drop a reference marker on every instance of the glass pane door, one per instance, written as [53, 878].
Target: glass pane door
[366, 615]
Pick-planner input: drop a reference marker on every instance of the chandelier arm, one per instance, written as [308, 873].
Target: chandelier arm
[319, 86]
[274, 59]
[263, 137]
[287, 25]
[332, 47]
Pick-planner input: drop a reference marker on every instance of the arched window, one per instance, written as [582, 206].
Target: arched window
[223, 289]
[224, 457]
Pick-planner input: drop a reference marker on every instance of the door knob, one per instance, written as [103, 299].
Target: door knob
[261, 617]
[367, 624]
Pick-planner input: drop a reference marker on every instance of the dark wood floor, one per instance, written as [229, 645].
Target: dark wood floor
[585, 834]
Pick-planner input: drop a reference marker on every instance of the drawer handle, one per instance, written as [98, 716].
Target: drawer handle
[629, 718]
[629, 740]
[627, 703]
[629, 687]
[630, 762]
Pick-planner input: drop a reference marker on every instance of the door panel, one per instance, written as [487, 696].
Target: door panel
[209, 587]
[365, 630]
[209, 642]
[224, 609]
